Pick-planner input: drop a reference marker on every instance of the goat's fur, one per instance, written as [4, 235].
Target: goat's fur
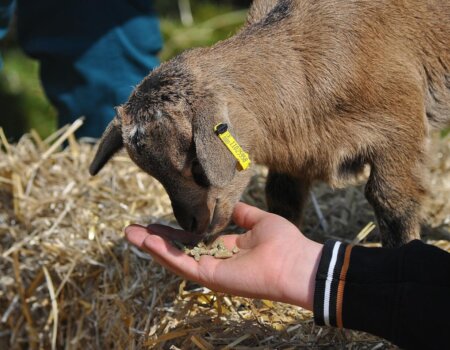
[315, 90]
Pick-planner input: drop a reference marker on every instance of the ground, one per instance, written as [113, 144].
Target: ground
[69, 279]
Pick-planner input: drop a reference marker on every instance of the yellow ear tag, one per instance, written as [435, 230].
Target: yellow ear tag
[221, 130]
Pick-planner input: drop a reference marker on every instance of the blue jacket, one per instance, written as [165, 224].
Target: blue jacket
[91, 53]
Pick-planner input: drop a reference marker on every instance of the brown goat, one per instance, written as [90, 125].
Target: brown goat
[315, 90]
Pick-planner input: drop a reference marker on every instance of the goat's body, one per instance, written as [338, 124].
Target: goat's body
[315, 90]
[327, 87]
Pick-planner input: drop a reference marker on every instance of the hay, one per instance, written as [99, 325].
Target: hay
[68, 279]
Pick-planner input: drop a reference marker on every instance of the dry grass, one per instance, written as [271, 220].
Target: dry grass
[68, 279]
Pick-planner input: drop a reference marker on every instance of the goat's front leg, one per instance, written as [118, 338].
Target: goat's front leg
[395, 190]
[286, 196]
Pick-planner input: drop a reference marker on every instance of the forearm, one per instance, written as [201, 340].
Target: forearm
[399, 294]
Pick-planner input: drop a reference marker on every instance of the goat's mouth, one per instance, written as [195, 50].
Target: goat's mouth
[218, 223]
[204, 222]
[209, 229]
[214, 218]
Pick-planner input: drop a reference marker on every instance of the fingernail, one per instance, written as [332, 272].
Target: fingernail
[135, 235]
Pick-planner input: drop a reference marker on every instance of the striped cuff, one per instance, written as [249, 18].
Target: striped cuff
[330, 283]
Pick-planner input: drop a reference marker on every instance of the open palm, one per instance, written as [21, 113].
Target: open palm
[275, 260]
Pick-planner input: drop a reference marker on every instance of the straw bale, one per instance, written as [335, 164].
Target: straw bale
[68, 279]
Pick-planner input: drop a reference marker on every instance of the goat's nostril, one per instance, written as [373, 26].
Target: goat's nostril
[194, 224]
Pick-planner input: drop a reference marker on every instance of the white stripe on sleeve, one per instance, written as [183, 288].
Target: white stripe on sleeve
[326, 302]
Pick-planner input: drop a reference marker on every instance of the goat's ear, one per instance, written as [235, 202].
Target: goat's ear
[217, 162]
[110, 143]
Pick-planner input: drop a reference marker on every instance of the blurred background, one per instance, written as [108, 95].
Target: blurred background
[184, 24]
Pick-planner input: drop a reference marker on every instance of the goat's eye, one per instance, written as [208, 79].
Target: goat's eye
[198, 174]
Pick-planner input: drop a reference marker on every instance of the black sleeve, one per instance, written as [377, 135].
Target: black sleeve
[402, 294]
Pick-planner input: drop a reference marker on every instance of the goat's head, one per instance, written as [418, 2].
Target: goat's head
[167, 128]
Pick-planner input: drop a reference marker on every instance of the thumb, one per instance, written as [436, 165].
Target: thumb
[247, 216]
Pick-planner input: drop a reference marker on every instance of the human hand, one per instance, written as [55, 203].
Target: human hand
[276, 261]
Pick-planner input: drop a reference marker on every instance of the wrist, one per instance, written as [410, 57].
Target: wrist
[299, 283]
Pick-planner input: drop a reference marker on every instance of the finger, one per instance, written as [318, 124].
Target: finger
[247, 216]
[216, 274]
[136, 234]
[163, 252]
[172, 234]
